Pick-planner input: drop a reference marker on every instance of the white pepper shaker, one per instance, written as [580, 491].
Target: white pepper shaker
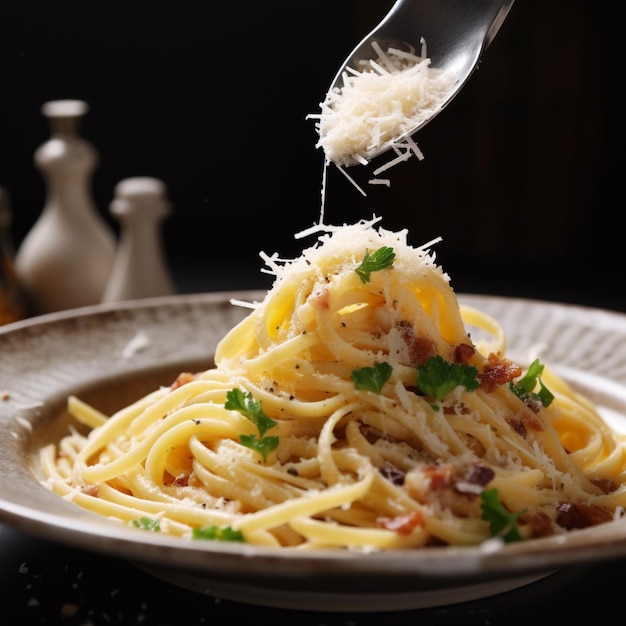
[66, 258]
[140, 269]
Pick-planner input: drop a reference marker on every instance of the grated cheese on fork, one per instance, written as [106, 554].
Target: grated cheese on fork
[378, 105]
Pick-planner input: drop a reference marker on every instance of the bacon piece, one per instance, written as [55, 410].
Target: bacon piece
[463, 353]
[524, 421]
[456, 489]
[393, 474]
[571, 515]
[182, 480]
[606, 484]
[458, 408]
[517, 425]
[531, 421]
[420, 348]
[439, 476]
[475, 477]
[498, 371]
[421, 482]
[182, 379]
[91, 490]
[479, 475]
[534, 404]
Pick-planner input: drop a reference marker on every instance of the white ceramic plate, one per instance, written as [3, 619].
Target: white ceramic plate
[112, 354]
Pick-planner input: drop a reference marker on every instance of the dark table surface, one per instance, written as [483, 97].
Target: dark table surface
[42, 582]
[47, 583]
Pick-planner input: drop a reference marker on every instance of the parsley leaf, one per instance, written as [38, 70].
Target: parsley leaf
[145, 523]
[524, 387]
[263, 445]
[372, 378]
[237, 400]
[379, 260]
[217, 533]
[436, 378]
[502, 523]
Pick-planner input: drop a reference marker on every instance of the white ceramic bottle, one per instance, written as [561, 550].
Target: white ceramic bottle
[140, 269]
[66, 258]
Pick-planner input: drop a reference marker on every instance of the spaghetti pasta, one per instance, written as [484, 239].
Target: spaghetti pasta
[351, 409]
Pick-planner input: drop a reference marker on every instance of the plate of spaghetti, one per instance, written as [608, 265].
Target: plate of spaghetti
[359, 437]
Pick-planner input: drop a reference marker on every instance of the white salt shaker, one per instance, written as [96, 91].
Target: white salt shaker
[65, 259]
[140, 269]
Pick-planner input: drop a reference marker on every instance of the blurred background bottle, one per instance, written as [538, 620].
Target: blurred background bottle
[66, 258]
[140, 269]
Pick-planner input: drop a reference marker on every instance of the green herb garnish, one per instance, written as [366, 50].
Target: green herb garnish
[372, 378]
[436, 378]
[237, 400]
[379, 260]
[502, 523]
[263, 445]
[244, 403]
[145, 523]
[524, 387]
[217, 533]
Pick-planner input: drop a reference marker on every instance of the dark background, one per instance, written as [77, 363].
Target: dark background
[520, 175]
[522, 178]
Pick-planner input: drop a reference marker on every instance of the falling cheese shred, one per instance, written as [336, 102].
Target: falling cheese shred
[379, 105]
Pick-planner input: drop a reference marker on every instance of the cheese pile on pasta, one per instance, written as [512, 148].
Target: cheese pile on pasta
[351, 409]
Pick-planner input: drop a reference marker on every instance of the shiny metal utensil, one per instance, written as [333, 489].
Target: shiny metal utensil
[456, 33]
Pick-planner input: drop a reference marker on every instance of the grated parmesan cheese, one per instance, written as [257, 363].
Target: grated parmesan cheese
[378, 105]
[348, 242]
